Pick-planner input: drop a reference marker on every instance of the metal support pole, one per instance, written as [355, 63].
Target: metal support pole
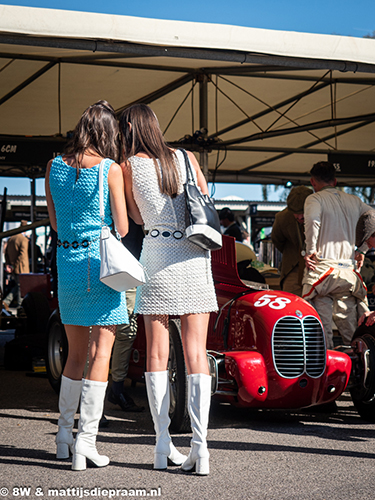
[2, 221]
[203, 120]
[248, 226]
[32, 219]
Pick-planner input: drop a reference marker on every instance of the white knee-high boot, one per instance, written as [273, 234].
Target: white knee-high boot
[199, 400]
[157, 384]
[92, 402]
[70, 393]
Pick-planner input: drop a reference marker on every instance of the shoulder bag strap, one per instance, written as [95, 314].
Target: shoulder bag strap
[101, 203]
[189, 175]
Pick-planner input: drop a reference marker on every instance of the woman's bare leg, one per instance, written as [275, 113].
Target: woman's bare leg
[157, 384]
[157, 338]
[78, 341]
[194, 337]
[101, 343]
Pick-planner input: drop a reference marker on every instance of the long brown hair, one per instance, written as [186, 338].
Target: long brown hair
[96, 131]
[145, 136]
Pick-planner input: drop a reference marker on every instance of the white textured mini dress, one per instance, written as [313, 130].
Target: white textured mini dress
[179, 272]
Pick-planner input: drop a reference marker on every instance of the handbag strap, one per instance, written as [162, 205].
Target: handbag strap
[101, 204]
[101, 199]
[189, 173]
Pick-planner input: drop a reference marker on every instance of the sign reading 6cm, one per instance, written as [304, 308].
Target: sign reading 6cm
[272, 301]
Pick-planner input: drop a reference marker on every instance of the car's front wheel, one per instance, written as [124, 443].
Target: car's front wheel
[363, 392]
[57, 350]
[178, 412]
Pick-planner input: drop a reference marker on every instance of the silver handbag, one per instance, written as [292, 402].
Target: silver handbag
[119, 269]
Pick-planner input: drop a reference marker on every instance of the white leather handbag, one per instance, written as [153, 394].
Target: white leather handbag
[119, 269]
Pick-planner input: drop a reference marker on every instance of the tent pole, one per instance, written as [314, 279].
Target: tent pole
[203, 120]
[32, 219]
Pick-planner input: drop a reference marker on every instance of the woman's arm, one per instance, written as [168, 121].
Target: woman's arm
[50, 204]
[117, 199]
[133, 210]
[200, 177]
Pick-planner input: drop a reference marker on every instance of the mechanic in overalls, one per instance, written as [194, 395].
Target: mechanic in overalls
[332, 282]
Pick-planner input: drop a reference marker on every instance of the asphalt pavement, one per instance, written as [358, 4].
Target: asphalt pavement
[265, 455]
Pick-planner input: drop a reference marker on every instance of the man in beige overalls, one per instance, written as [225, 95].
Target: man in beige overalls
[331, 281]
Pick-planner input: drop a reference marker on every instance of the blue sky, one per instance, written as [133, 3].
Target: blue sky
[339, 17]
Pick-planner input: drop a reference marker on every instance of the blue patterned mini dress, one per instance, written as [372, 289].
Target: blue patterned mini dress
[83, 299]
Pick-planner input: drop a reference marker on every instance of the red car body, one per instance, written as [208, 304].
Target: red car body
[268, 346]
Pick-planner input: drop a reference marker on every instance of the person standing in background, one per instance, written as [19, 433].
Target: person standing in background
[226, 217]
[365, 238]
[125, 334]
[17, 260]
[331, 281]
[288, 236]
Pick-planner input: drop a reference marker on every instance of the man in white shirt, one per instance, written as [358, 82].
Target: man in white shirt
[331, 281]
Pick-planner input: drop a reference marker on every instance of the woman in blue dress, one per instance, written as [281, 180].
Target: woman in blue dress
[89, 309]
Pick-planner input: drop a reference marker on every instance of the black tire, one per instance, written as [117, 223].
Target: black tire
[363, 394]
[57, 350]
[178, 411]
[364, 330]
[37, 311]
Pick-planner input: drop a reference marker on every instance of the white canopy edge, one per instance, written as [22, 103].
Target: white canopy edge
[71, 24]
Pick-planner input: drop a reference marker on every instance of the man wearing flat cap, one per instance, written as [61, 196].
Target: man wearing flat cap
[331, 281]
[288, 236]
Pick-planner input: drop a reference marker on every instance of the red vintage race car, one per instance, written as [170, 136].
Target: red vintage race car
[266, 349]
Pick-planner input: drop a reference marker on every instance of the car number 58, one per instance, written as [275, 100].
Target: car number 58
[272, 301]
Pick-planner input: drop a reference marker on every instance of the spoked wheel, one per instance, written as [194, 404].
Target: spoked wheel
[177, 377]
[57, 350]
[363, 394]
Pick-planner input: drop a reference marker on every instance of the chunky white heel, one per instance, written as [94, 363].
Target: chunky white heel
[92, 402]
[199, 399]
[70, 392]
[157, 384]
[79, 462]
[202, 466]
[160, 461]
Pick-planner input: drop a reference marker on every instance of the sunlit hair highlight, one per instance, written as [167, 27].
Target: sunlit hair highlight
[97, 132]
[145, 136]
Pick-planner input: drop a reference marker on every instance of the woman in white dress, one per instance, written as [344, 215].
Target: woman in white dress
[179, 280]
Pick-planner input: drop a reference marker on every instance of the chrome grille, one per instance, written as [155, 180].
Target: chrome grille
[298, 347]
[315, 347]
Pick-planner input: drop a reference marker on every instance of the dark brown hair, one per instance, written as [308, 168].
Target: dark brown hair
[323, 171]
[97, 131]
[145, 136]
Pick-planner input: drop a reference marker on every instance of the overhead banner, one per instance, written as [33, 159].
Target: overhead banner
[33, 151]
[352, 164]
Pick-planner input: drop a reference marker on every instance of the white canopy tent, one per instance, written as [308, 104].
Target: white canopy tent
[259, 106]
